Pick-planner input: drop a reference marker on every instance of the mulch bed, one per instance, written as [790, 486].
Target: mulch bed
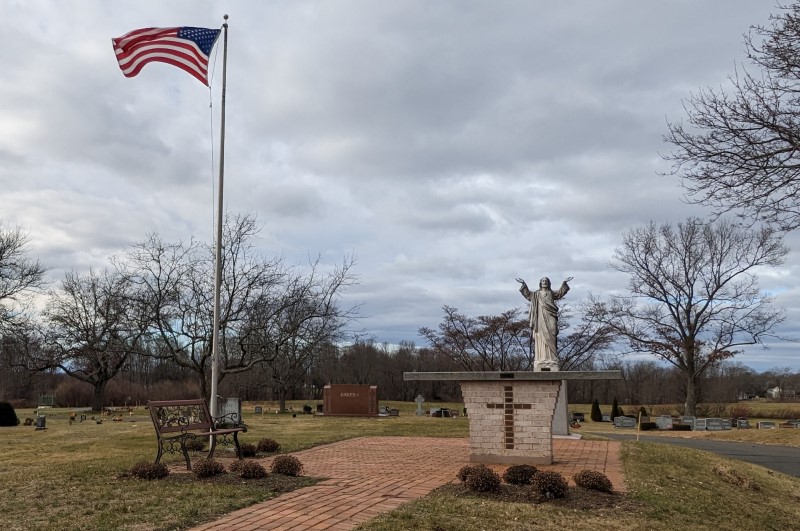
[576, 498]
[277, 483]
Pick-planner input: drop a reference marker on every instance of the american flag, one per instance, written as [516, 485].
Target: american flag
[187, 48]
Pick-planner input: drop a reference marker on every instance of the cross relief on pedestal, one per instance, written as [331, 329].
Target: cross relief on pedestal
[508, 406]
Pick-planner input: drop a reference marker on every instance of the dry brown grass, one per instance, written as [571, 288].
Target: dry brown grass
[669, 488]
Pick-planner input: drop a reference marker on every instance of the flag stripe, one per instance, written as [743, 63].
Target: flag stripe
[180, 47]
[188, 52]
[142, 34]
[188, 66]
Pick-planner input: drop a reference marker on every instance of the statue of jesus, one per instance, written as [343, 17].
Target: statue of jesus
[544, 322]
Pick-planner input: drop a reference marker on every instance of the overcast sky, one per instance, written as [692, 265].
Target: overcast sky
[450, 146]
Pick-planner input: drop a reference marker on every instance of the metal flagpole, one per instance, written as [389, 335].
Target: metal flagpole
[218, 250]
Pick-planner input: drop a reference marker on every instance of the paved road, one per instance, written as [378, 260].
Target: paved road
[783, 459]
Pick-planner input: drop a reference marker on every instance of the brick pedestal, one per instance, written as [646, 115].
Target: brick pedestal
[510, 422]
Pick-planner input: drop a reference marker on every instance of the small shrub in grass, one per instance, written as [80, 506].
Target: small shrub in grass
[195, 444]
[647, 426]
[519, 474]
[288, 465]
[251, 470]
[236, 466]
[593, 480]
[206, 468]
[464, 473]
[247, 449]
[8, 416]
[145, 470]
[550, 484]
[268, 446]
[483, 479]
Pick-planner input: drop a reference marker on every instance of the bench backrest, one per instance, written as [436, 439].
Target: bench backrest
[180, 415]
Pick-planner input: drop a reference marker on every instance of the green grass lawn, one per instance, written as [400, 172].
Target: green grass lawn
[72, 477]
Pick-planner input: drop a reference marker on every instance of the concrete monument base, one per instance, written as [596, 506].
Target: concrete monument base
[511, 422]
[511, 413]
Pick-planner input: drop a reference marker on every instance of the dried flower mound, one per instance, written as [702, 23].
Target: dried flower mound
[288, 465]
[247, 449]
[236, 466]
[464, 473]
[251, 470]
[550, 484]
[519, 474]
[483, 479]
[195, 444]
[206, 468]
[268, 446]
[593, 480]
[145, 470]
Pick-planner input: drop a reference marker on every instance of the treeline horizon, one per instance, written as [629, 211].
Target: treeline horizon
[143, 378]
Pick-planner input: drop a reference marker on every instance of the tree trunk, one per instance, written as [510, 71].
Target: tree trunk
[205, 391]
[98, 396]
[281, 399]
[691, 396]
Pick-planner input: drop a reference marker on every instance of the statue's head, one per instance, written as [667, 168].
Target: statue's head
[544, 283]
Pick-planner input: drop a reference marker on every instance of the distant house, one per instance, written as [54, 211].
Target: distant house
[774, 392]
[741, 395]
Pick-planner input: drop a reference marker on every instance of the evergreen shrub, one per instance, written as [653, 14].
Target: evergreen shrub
[8, 417]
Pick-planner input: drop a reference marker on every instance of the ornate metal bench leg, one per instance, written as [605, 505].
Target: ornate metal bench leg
[212, 447]
[160, 452]
[236, 442]
[185, 454]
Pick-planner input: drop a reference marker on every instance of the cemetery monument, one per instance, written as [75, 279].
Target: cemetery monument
[511, 414]
[350, 400]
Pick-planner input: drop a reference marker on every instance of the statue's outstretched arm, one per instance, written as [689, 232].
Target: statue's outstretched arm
[524, 289]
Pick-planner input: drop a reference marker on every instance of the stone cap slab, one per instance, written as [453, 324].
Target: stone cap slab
[475, 376]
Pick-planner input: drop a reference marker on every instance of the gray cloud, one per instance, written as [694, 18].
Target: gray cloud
[451, 146]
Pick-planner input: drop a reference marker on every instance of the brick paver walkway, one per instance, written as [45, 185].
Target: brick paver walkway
[371, 475]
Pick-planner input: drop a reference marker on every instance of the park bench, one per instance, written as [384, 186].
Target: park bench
[178, 421]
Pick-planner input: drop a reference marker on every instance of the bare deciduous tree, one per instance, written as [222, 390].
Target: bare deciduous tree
[740, 149]
[578, 348]
[92, 326]
[19, 274]
[265, 306]
[486, 343]
[694, 294]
